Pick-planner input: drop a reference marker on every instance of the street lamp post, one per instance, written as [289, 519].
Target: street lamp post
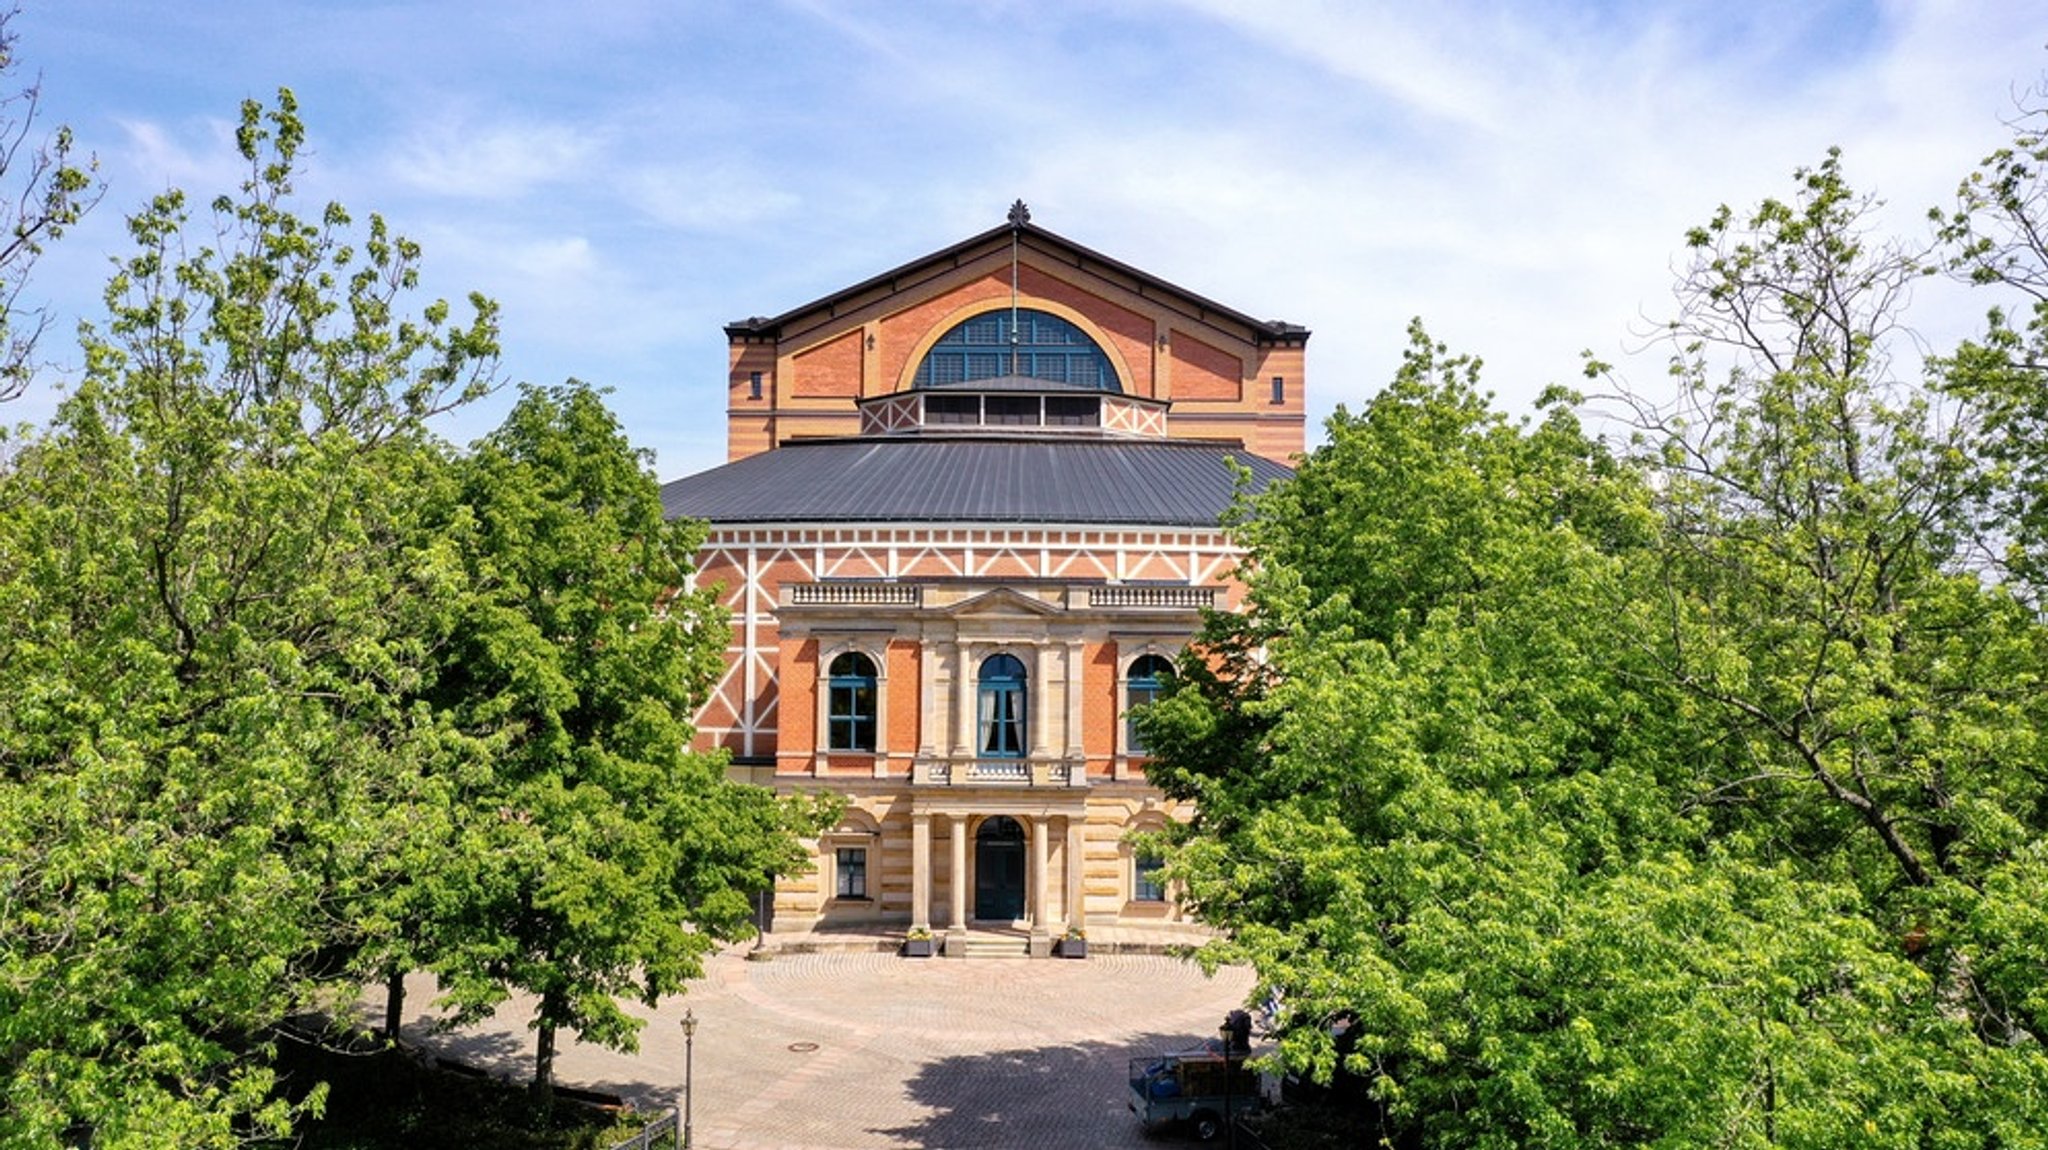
[1229, 1050]
[689, 1069]
[1237, 1043]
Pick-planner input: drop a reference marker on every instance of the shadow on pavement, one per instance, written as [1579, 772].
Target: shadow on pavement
[508, 1056]
[1044, 1097]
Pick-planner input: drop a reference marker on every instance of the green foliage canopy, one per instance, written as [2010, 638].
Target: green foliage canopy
[601, 858]
[298, 698]
[209, 571]
[1690, 795]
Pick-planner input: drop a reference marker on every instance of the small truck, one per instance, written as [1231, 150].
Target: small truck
[1204, 1088]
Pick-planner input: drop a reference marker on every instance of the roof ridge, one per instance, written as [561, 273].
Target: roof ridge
[1262, 329]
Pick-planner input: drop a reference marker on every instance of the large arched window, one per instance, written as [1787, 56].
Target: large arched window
[1147, 677]
[1046, 347]
[850, 713]
[1002, 706]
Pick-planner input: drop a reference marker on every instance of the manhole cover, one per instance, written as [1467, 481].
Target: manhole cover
[802, 1047]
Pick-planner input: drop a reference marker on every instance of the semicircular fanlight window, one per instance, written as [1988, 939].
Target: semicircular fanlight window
[1046, 347]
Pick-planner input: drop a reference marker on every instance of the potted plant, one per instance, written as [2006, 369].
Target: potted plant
[918, 943]
[1075, 944]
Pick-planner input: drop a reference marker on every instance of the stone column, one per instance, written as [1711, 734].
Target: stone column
[1041, 937]
[1077, 847]
[822, 724]
[921, 871]
[1077, 689]
[1039, 699]
[883, 747]
[956, 925]
[963, 700]
[959, 891]
[928, 726]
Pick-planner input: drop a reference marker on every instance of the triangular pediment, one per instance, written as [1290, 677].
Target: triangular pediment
[1001, 601]
[1033, 244]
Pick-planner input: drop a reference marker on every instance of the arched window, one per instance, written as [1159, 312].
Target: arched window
[1147, 678]
[850, 712]
[1046, 347]
[1002, 706]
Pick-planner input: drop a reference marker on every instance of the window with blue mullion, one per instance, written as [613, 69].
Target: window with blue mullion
[1003, 699]
[1147, 678]
[850, 708]
[1145, 884]
[1047, 348]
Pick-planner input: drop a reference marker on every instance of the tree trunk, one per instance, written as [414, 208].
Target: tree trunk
[544, 1060]
[394, 1004]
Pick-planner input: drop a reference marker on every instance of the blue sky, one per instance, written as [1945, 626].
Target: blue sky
[625, 176]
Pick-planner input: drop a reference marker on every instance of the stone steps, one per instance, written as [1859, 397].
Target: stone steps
[993, 944]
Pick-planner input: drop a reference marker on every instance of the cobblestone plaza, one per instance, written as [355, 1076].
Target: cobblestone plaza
[850, 1051]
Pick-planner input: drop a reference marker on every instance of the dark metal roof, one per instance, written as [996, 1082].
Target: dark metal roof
[1201, 307]
[1165, 483]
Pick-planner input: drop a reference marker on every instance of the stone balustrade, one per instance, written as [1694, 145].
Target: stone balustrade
[1155, 596]
[964, 771]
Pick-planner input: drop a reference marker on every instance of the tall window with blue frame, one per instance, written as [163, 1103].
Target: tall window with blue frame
[1146, 885]
[1003, 700]
[1036, 345]
[850, 704]
[1146, 679]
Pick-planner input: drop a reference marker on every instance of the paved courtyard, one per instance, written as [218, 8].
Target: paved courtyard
[849, 1051]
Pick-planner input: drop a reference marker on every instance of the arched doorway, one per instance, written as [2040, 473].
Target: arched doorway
[999, 869]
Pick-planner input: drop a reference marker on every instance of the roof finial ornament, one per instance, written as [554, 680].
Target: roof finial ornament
[1019, 214]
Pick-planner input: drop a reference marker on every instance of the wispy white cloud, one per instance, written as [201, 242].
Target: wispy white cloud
[1518, 173]
[1407, 53]
[203, 162]
[706, 197]
[505, 160]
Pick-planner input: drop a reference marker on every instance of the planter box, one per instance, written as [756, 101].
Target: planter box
[1073, 948]
[917, 948]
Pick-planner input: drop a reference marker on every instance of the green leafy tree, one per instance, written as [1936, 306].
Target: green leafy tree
[54, 191]
[1489, 779]
[1826, 607]
[598, 857]
[212, 578]
[1996, 236]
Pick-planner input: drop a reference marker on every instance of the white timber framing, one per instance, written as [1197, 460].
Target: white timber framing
[767, 557]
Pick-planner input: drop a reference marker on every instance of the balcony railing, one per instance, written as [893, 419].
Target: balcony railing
[853, 594]
[1171, 597]
[946, 771]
